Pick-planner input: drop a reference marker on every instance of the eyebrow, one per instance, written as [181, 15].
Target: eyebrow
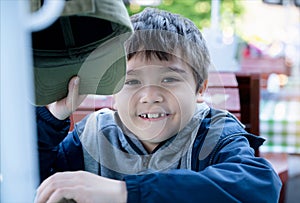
[177, 70]
[169, 69]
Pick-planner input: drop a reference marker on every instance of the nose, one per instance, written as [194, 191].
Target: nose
[151, 94]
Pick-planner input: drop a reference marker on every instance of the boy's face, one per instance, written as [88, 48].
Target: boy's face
[157, 100]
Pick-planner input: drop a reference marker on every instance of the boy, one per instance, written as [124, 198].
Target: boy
[160, 145]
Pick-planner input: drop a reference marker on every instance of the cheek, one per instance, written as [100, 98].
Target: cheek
[123, 108]
[186, 102]
[185, 95]
[124, 102]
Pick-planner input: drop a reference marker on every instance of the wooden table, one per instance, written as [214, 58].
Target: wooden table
[279, 161]
[90, 104]
[223, 92]
[265, 66]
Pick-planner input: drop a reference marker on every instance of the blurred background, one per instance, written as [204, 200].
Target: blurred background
[255, 48]
[240, 28]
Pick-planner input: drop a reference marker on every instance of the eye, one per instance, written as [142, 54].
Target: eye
[132, 82]
[170, 79]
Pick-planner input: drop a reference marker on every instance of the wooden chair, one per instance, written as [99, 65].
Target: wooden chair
[249, 89]
[244, 88]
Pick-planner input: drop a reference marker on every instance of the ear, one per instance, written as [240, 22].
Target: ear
[201, 91]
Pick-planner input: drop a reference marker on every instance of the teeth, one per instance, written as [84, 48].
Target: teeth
[152, 115]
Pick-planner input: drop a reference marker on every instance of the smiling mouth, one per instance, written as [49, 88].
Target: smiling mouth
[153, 115]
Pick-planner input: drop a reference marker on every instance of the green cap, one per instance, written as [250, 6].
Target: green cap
[87, 40]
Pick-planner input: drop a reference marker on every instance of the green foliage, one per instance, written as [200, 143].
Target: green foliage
[199, 11]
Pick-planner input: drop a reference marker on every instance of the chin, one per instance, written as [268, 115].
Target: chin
[157, 137]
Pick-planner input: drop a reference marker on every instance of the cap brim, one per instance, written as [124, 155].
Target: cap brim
[102, 72]
[86, 40]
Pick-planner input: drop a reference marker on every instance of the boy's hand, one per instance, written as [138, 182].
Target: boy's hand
[62, 109]
[81, 186]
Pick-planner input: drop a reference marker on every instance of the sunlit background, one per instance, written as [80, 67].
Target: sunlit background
[272, 27]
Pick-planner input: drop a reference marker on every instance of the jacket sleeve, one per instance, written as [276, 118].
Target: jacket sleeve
[235, 175]
[58, 150]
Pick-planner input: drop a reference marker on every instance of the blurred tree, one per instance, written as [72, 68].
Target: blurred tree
[199, 11]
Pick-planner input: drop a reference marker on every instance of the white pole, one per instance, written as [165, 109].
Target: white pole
[19, 169]
[18, 137]
[215, 14]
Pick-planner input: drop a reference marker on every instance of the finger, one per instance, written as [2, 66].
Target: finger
[74, 85]
[74, 99]
[45, 189]
[63, 195]
[51, 184]
[73, 93]
[76, 95]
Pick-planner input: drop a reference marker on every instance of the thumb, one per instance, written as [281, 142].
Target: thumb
[73, 98]
[66, 106]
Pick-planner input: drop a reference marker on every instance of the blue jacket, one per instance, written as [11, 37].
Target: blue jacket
[228, 173]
